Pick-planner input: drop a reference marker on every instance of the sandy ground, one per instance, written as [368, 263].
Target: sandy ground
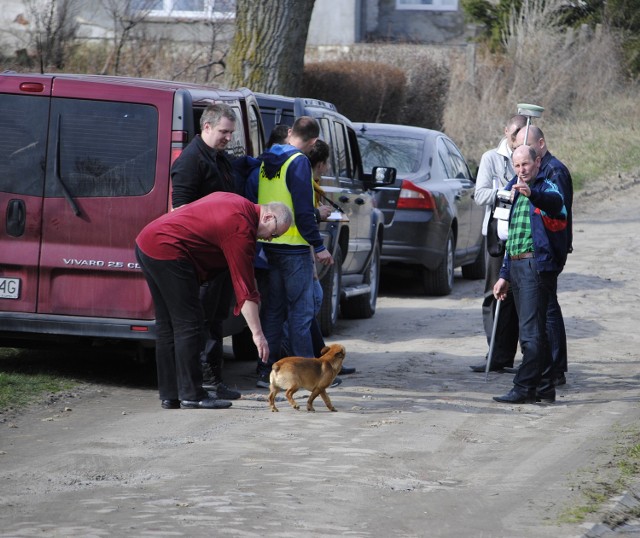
[418, 447]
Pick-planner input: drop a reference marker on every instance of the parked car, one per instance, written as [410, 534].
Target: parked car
[350, 285]
[432, 223]
[84, 166]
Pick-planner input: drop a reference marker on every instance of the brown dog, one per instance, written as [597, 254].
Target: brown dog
[293, 373]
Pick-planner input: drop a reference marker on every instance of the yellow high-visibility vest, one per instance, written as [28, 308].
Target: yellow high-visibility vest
[275, 190]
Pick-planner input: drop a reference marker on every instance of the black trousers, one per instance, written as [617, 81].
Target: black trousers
[506, 345]
[175, 291]
[215, 297]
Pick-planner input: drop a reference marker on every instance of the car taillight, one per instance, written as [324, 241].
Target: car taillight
[179, 140]
[413, 197]
[175, 152]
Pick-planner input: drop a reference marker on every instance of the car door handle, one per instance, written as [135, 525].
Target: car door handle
[359, 201]
[344, 199]
[16, 217]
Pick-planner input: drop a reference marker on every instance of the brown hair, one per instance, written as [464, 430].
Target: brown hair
[306, 128]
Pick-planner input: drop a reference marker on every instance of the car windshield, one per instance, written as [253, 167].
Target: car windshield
[400, 152]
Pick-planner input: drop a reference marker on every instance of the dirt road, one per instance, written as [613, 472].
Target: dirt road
[418, 447]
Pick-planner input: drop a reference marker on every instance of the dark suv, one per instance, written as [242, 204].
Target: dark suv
[351, 284]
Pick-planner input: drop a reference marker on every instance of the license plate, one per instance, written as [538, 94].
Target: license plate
[9, 288]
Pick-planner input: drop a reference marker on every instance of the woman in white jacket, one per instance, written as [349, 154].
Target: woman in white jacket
[495, 171]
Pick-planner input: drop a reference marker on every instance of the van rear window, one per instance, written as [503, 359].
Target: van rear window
[23, 132]
[99, 148]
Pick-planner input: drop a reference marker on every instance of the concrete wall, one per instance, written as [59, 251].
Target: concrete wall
[334, 22]
[383, 22]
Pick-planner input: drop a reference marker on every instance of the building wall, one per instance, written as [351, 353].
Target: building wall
[334, 22]
[384, 22]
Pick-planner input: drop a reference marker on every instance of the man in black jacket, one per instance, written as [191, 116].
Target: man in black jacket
[201, 169]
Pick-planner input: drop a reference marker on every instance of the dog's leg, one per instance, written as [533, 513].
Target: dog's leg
[290, 392]
[327, 401]
[313, 396]
[273, 390]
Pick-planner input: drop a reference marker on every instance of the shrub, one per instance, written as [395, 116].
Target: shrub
[362, 91]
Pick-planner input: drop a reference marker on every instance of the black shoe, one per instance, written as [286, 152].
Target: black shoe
[515, 397]
[483, 368]
[546, 396]
[346, 371]
[170, 404]
[559, 380]
[206, 403]
[511, 369]
[337, 381]
[263, 381]
[222, 391]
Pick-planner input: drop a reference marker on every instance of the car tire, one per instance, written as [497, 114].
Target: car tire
[440, 281]
[477, 269]
[243, 347]
[331, 290]
[364, 306]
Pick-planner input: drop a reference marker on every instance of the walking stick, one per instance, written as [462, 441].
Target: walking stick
[493, 340]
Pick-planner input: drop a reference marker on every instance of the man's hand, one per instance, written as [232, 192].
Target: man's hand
[324, 257]
[500, 289]
[262, 346]
[324, 211]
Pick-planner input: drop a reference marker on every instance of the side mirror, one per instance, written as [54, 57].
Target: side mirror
[382, 175]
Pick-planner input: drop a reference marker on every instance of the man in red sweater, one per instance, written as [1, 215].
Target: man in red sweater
[180, 250]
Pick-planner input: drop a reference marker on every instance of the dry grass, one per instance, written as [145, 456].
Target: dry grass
[589, 121]
[599, 140]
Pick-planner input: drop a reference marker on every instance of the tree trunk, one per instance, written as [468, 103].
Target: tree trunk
[267, 53]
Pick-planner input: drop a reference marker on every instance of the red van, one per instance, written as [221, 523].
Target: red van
[84, 165]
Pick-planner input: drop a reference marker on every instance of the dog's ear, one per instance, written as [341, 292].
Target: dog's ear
[325, 350]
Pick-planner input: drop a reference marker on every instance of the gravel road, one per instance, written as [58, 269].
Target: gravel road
[418, 447]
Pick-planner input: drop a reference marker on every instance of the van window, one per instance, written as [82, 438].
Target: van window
[23, 134]
[101, 148]
[257, 142]
[325, 134]
[236, 146]
[342, 152]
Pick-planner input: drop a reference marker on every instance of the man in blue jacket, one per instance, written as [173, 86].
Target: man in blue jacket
[553, 169]
[285, 175]
[536, 252]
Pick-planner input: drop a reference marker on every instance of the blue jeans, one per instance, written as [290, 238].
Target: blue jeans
[531, 291]
[290, 298]
[316, 332]
[557, 335]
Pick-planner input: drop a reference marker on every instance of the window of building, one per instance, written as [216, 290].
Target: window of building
[432, 5]
[194, 9]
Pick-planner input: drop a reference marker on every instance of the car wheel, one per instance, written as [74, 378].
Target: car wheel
[243, 346]
[477, 269]
[364, 306]
[331, 291]
[440, 281]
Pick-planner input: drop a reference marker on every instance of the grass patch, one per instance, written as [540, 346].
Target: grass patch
[597, 486]
[19, 386]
